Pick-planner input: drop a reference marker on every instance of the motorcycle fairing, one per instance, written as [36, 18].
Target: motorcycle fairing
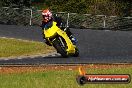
[53, 30]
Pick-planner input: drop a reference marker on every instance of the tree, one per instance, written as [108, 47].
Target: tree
[107, 7]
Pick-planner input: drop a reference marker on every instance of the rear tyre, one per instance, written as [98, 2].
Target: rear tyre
[76, 52]
[60, 49]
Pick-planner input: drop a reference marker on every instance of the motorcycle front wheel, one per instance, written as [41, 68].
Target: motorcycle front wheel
[60, 49]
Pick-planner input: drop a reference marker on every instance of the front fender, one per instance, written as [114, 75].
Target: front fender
[71, 47]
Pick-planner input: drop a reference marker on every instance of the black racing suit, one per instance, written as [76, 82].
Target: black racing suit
[60, 24]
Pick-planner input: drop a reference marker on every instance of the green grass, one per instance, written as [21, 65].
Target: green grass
[14, 47]
[59, 79]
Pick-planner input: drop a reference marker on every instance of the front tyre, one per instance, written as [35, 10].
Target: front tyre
[60, 49]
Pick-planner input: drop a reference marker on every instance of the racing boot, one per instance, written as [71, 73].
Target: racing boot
[47, 42]
[73, 39]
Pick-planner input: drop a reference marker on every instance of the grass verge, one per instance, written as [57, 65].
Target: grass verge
[14, 47]
[60, 78]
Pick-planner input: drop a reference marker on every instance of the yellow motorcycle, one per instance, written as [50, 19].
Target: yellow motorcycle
[60, 41]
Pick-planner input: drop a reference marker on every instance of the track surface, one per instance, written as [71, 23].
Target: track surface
[96, 46]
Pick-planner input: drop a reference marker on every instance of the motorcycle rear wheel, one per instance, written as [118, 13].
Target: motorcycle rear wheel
[76, 52]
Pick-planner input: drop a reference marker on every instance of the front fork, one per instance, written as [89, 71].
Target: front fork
[62, 42]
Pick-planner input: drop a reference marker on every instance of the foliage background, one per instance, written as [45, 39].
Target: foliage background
[106, 7]
[118, 8]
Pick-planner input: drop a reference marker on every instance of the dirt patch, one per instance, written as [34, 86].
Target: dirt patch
[39, 68]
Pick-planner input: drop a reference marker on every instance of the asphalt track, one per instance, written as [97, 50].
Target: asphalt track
[96, 46]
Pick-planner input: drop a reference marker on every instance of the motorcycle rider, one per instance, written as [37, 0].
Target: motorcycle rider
[48, 19]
